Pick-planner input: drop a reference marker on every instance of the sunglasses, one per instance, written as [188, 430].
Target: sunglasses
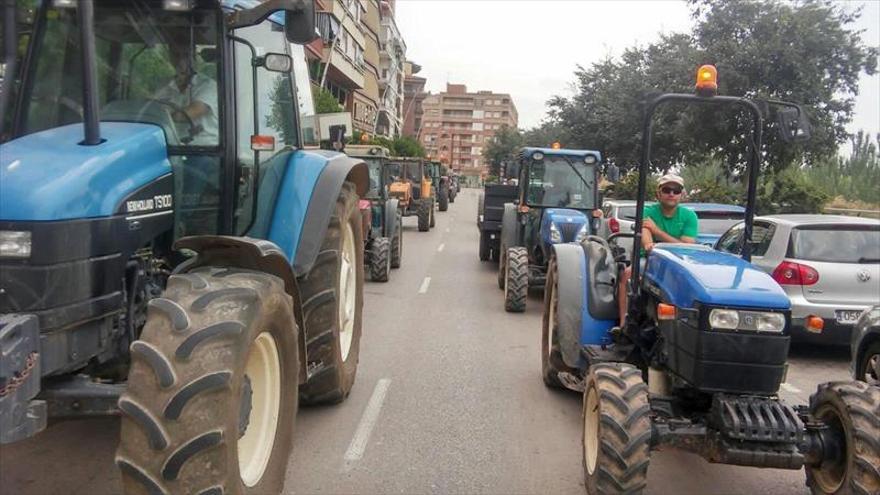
[671, 190]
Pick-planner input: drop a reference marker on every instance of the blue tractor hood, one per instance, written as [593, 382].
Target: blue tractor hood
[689, 273]
[568, 221]
[48, 176]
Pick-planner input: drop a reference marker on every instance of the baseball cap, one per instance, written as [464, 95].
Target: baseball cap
[670, 179]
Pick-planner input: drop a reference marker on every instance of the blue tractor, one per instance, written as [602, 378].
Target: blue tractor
[168, 248]
[699, 361]
[556, 197]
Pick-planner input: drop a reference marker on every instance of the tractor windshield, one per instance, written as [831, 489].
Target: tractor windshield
[557, 182]
[153, 65]
[375, 167]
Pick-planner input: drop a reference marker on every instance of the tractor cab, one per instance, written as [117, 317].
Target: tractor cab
[410, 183]
[557, 197]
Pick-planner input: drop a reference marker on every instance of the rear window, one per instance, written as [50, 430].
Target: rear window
[626, 213]
[838, 244]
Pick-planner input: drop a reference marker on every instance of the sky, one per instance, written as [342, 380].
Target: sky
[531, 49]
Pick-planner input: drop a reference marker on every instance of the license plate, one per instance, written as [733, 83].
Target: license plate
[847, 316]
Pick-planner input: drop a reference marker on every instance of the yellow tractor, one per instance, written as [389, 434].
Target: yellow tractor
[412, 187]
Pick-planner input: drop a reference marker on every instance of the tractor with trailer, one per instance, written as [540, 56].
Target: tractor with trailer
[557, 196]
[382, 221]
[440, 180]
[490, 211]
[168, 248]
[699, 360]
[410, 184]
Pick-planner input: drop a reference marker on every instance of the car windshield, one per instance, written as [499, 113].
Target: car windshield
[153, 65]
[717, 222]
[554, 182]
[838, 244]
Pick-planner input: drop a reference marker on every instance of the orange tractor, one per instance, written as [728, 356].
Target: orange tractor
[412, 187]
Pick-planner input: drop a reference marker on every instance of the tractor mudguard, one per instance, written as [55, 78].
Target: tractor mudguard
[249, 254]
[509, 227]
[578, 326]
[306, 198]
[391, 206]
[602, 272]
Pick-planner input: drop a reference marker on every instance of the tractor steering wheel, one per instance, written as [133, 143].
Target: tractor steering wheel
[193, 127]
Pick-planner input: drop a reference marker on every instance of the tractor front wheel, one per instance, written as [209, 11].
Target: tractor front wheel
[433, 220]
[380, 259]
[397, 244]
[551, 359]
[617, 430]
[443, 198]
[212, 392]
[516, 280]
[851, 411]
[425, 212]
[484, 247]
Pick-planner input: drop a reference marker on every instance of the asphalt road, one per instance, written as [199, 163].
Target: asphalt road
[448, 399]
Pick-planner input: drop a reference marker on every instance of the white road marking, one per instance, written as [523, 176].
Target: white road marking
[447, 230]
[424, 287]
[790, 388]
[368, 421]
[440, 247]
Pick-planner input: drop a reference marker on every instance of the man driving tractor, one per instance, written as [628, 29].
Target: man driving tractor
[664, 221]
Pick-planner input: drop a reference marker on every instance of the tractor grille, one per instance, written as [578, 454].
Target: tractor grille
[568, 231]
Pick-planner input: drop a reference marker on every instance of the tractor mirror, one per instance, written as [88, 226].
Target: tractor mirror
[277, 62]
[299, 24]
[794, 125]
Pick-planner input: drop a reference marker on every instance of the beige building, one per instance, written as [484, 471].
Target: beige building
[392, 53]
[456, 125]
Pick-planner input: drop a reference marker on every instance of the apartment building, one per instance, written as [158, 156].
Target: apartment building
[456, 125]
[392, 54]
[413, 96]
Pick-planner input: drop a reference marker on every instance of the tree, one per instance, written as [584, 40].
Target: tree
[502, 147]
[408, 146]
[855, 177]
[325, 102]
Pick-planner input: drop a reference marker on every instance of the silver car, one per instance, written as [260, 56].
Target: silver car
[828, 265]
[619, 215]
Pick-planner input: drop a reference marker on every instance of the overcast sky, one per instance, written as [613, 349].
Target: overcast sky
[530, 49]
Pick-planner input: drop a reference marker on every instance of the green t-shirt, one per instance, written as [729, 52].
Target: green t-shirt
[682, 223]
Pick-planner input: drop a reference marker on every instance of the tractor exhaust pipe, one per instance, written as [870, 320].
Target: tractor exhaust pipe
[91, 123]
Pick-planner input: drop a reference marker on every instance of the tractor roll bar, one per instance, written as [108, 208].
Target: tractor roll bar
[91, 125]
[754, 165]
[10, 46]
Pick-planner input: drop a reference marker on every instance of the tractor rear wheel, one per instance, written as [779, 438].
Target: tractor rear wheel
[443, 198]
[851, 410]
[617, 429]
[212, 391]
[425, 212]
[484, 247]
[397, 244]
[380, 259]
[516, 279]
[332, 295]
[551, 359]
[868, 367]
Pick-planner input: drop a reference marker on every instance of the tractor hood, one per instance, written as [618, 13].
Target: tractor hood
[49, 176]
[568, 223]
[685, 274]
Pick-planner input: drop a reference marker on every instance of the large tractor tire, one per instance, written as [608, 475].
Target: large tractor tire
[516, 280]
[332, 295]
[852, 412]
[425, 212]
[433, 219]
[502, 267]
[380, 259]
[485, 250]
[868, 367]
[443, 198]
[212, 391]
[452, 194]
[617, 430]
[551, 359]
[397, 244]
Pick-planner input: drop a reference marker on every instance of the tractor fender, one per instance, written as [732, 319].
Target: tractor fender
[306, 200]
[391, 213]
[249, 254]
[571, 270]
[509, 227]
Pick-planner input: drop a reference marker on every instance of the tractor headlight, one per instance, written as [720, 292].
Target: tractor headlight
[555, 234]
[15, 244]
[770, 322]
[727, 319]
[582, 233]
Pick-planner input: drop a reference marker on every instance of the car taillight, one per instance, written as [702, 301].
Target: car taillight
[614, 225]
[790, 273]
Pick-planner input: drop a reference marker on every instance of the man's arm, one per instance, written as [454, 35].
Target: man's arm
[661, 236]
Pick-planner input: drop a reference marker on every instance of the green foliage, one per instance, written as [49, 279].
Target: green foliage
[502, 148]
[399, 146]
[804, 52]
[708, 183]
[325, 102]
[788, 191]
[856, 177]
[628, 185]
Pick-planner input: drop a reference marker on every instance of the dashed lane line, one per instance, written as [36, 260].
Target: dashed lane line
[440, 247]
[790, 388]
[424, 287]
[368, 421]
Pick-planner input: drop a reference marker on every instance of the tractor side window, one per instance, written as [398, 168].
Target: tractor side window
[275, 115]
[731, 242]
